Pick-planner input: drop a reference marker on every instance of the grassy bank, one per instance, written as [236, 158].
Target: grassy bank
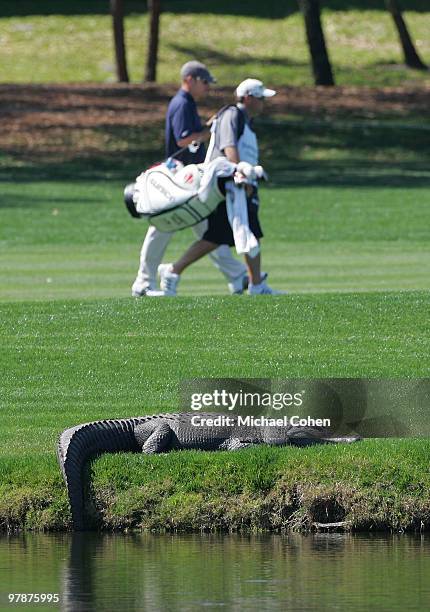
[267, 42]
[375, 485]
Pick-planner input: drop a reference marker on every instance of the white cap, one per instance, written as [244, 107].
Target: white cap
[253, 87]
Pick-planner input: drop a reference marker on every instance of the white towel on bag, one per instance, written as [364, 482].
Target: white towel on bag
[237, 212]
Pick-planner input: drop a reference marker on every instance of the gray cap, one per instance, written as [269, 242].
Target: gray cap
[198, 71]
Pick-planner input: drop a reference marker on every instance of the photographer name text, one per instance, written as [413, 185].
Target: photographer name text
[222, 420]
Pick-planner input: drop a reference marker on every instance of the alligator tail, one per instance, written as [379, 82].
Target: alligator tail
[79, 444]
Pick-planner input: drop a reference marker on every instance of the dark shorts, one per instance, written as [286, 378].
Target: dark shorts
[219, 229]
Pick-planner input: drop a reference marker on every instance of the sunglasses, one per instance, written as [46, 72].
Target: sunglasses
[204, 81]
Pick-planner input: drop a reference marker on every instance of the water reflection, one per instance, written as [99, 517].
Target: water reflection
[174, 572]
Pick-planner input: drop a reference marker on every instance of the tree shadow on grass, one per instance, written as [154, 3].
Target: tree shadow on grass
[101, 98]
[212, 56]
[352, 154]
[283, 172]
[366, 136]
[296, 152]
[351, 175]
[26, 200]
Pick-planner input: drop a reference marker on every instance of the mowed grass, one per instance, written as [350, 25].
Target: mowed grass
[346, 219]
[70, 362]
[267, 42]
[78, 241]
[64, 361]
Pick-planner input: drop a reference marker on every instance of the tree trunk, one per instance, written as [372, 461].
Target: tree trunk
[117, 12]
[321, 67]
[154, 10]
[412, 59]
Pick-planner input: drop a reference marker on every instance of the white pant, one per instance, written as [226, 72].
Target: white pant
[155, 244]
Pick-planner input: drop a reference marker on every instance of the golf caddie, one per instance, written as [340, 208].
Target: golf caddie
[233, 137]
[184, 130]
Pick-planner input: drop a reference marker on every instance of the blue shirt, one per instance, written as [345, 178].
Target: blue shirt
[182, 120]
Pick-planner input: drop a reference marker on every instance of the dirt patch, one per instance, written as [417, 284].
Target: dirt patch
[59, 119]
[327, 510]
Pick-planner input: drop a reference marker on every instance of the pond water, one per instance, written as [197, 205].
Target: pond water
[192, 572]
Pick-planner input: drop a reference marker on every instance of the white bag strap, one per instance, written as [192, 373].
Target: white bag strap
[211, 145]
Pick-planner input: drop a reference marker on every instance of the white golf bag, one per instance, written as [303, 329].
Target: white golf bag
[172, 197]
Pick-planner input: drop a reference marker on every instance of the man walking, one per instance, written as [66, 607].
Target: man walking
[183, 127]
[233, 137]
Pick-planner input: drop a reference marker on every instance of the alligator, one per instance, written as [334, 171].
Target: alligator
[165, 432]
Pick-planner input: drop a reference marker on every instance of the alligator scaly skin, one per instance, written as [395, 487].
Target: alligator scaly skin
[164, 432]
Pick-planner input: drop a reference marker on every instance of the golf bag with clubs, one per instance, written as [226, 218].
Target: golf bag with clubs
[172, 196]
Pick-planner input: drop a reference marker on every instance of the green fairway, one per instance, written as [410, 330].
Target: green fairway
[266, 40]
[78, 241]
